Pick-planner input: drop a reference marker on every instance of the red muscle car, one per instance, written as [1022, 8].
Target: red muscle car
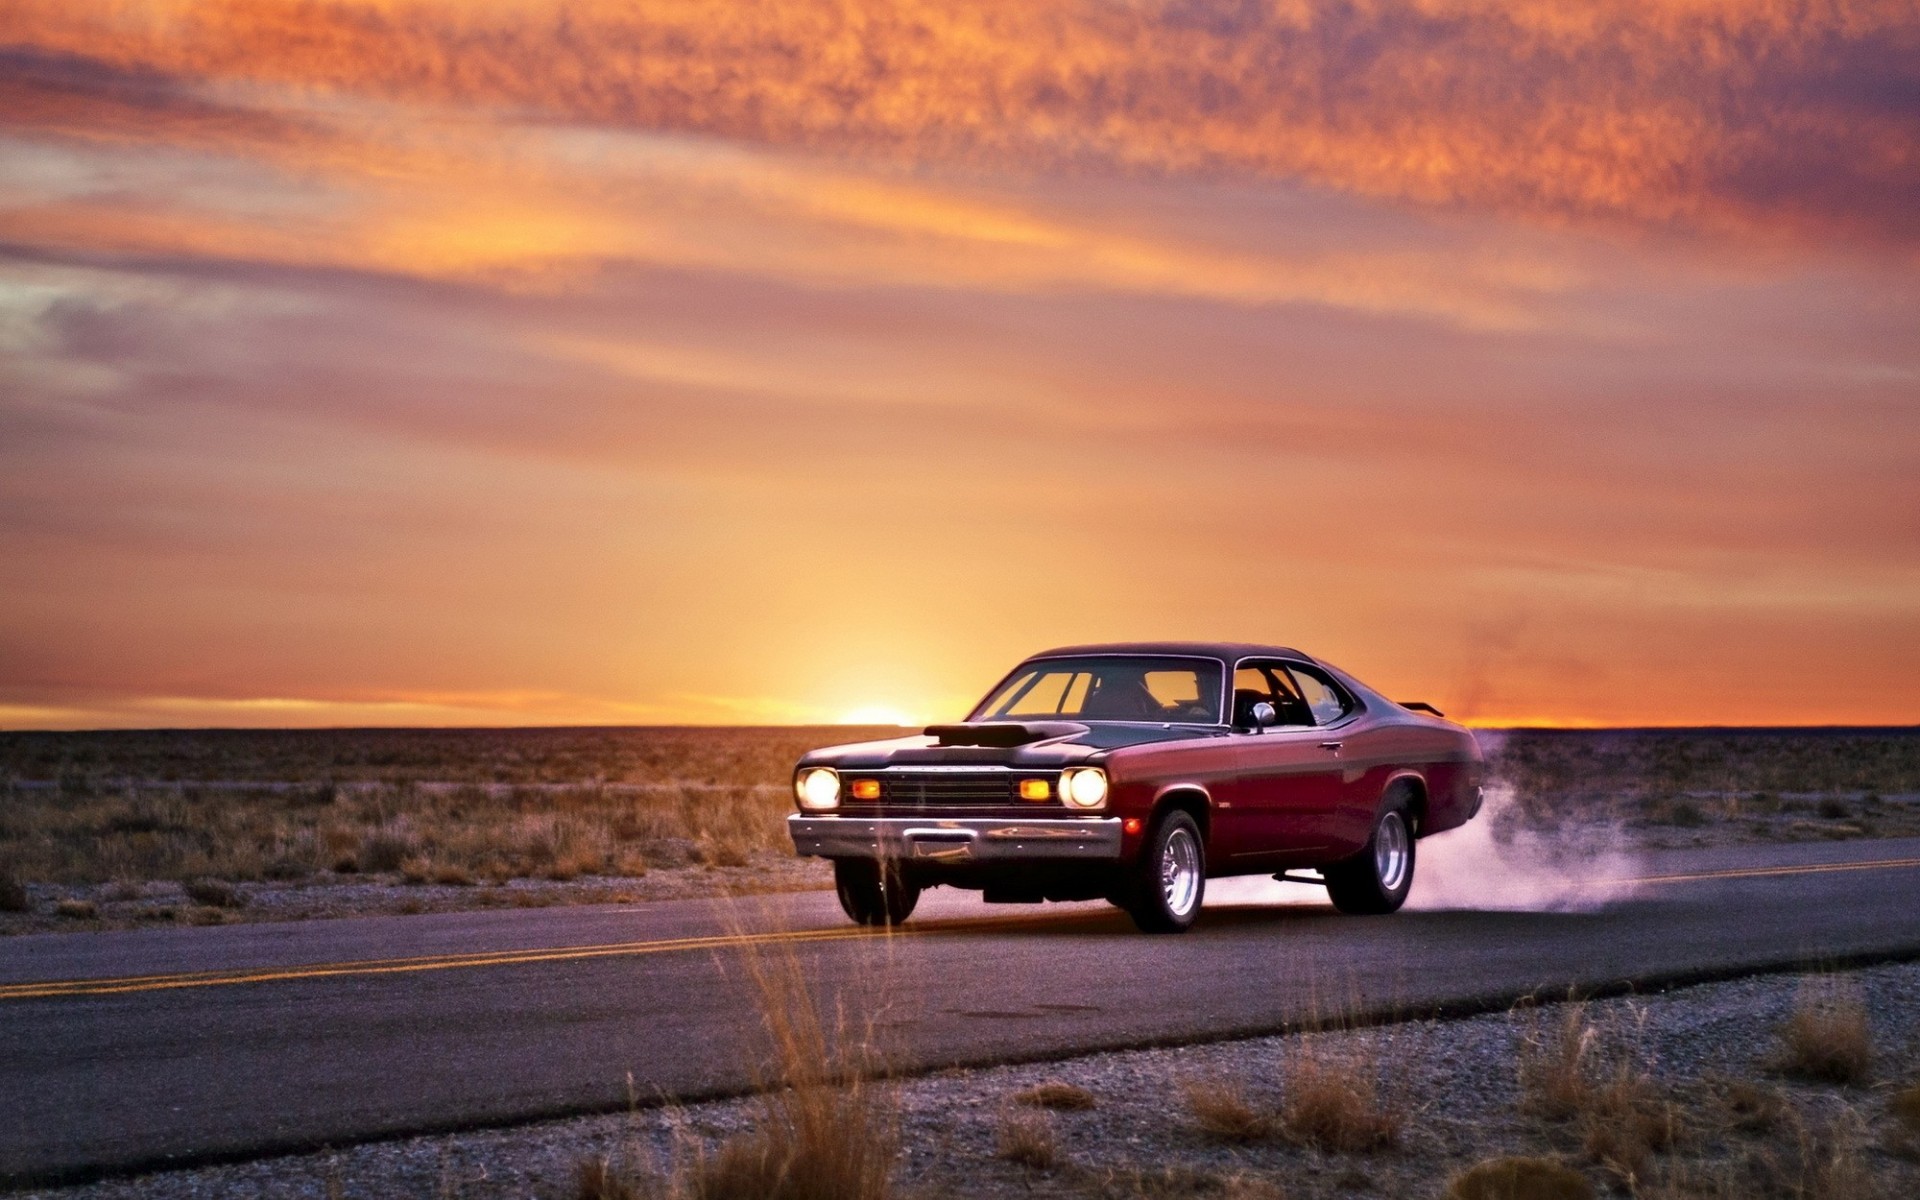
[1136, 772]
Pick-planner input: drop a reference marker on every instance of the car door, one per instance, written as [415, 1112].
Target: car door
[1287, 787]
[1346, 820]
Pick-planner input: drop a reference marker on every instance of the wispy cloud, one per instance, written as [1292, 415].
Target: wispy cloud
[1768, 119]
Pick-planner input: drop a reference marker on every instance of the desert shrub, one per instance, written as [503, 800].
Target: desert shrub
[1833, 808]
[1519, 1179]
[385, 849]
[213, 893]
[285, 804]
[1827, 1039]
[1685, 814]
[77, 910]
[1026, 1138]
[13, 893]
[1061, 1097]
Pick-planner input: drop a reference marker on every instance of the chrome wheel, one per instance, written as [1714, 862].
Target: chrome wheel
[1180, 872]
[1390, 857]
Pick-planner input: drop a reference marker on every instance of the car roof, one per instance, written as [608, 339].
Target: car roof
[1223, 650]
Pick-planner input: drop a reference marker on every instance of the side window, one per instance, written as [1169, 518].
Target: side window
[1254, 683]
[1327, 699]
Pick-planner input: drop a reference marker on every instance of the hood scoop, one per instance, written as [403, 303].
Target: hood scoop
[1003, 733]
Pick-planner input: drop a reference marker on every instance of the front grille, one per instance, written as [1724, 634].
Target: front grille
[955, 789]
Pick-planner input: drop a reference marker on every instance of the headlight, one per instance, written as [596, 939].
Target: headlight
[817, 787]
[1084, 787]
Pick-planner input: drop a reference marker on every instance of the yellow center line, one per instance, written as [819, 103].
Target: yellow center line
[1880, 864]
[120, 985]
[117, 985]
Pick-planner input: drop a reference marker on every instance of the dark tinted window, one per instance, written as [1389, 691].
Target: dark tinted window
[1327, 699]
[1255, 683]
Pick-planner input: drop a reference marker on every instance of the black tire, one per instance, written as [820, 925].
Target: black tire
[1377, 880]
[1170, 882]
[872, 893]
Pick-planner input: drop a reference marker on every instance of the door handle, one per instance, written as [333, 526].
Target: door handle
[1333, 746]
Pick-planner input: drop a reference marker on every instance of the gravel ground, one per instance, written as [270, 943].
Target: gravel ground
[1453, 1086]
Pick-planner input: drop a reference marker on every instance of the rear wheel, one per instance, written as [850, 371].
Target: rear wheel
[1171, 880]
[873, 892]
[1377, 879]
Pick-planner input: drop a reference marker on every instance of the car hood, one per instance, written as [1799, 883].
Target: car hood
[1038, 744]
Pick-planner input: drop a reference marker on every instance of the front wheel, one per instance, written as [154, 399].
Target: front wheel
[873, 892]
[1171, 880]
[1377, 879]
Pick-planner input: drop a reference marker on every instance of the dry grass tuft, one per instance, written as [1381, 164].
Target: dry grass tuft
[1177, 1183]
[1753, 1107]
[1520, 1179]
[1337, 1106]
[1221, 1111]
[76, 910]
[596, 1179]
[1026, 1138]
[1827, 1039]
[1061, 1097]
[213, 893]
[1629, 1121]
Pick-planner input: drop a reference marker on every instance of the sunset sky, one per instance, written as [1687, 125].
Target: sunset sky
[512, 362]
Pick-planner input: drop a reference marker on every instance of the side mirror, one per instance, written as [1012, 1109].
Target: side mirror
[1263, 716]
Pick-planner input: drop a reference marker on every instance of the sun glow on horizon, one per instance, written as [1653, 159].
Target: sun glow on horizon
[877, 714]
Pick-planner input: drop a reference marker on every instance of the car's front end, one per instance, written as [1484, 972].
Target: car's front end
[1018, 811]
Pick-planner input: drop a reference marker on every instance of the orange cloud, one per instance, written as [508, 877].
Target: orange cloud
[1770, 118]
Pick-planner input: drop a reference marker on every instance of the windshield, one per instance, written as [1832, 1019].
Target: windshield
[1110, 687]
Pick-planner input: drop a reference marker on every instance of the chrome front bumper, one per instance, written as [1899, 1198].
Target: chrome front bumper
[970, 839]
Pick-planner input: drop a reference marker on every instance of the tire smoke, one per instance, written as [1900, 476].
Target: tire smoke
[1495, 862]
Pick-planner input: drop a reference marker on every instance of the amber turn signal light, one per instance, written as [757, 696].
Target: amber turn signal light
[1035, 789]
[1132, 825]
[866, 789]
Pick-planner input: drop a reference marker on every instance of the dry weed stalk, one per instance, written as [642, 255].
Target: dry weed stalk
[826, 1129]
[1827, 1038]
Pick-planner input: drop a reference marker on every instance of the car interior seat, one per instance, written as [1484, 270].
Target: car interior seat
[1122, 699]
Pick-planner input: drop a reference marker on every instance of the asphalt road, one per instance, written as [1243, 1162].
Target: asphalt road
[135, 1050]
